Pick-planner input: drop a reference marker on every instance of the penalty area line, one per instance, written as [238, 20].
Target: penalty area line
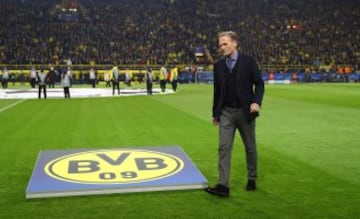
[11, 105]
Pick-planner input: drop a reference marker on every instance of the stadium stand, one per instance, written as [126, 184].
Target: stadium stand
[278, 33]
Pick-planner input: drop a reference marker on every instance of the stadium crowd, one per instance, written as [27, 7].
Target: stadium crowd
[306, 32]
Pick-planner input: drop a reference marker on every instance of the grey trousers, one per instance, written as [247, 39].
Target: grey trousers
[230, 120]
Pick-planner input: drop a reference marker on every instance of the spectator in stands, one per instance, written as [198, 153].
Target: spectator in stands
[172, 34]
[238, 93]
[69, 62]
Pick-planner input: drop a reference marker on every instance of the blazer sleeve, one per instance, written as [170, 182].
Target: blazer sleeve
[216, 95]
[257, 82]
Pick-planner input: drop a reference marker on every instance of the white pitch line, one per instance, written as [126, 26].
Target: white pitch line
[11, 105]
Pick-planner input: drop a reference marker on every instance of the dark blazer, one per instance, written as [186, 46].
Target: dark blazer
[250, 86]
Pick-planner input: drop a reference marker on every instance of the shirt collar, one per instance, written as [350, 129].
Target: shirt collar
[234, 56]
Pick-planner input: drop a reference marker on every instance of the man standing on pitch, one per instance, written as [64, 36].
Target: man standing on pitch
[115, 78]
[238, 93]
[149, 81]
[42, 77]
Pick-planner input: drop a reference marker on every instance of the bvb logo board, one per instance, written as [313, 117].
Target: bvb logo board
[114, 166]
[75, 172]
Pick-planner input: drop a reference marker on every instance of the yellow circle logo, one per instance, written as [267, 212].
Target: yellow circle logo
[114, 166]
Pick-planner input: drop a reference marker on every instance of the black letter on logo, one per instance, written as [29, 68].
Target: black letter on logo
[118, 161]
[83, 166]
[150, 163]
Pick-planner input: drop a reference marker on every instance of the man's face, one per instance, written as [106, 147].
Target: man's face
[227, 46]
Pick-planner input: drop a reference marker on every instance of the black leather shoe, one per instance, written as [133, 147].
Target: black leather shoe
[219, 190]
[251, 185]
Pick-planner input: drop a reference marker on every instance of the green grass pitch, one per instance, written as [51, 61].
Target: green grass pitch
[308, 139]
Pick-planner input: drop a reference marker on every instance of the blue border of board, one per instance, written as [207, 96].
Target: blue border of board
[41, 185]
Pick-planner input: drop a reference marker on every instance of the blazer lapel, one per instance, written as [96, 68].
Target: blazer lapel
[224, 69]
[237, 67]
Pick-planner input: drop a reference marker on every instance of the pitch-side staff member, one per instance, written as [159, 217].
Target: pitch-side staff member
[66, 81]
[149, 81]
[115, 77]
[42, 78]
[238, 93]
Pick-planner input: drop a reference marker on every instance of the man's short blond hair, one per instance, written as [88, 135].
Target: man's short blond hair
[233, 36]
